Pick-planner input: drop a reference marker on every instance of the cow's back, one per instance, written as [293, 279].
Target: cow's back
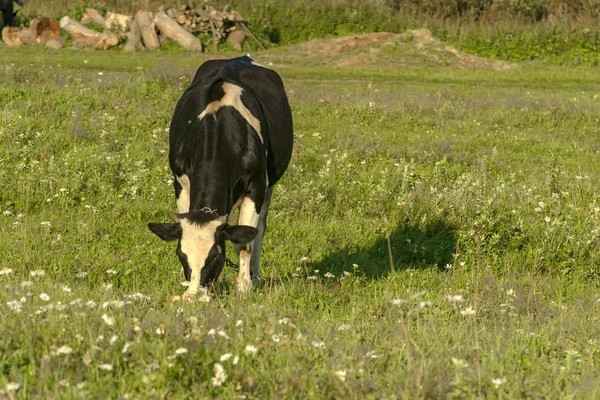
[260, 85]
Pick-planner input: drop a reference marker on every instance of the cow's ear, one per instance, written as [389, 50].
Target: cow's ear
[166, 232]
[240, 234]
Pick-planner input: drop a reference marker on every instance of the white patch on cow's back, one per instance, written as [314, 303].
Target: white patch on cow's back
[183, 201]
[258, 64]
[233, 98]
[196, 242]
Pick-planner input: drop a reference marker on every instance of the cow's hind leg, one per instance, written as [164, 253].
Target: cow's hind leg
[262, 227]
[248, 216]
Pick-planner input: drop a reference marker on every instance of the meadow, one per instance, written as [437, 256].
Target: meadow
[485, 183]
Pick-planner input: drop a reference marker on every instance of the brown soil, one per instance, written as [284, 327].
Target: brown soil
[412, 48]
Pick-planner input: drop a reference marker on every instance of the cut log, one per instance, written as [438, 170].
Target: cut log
[236, 39]
[181, 19]
[44, 29]
[56, 43]
[148, 30]
[92, 16]
[134, 38]
[117, 22]
[173, 31]
[82, 36]
[10, 36]
[27, 36]
[106, 40]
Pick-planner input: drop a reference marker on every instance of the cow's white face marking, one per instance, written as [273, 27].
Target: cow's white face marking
[196, 242]
[183, 201]
[233, 98]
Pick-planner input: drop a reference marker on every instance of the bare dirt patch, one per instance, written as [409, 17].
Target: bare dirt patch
[416, 48]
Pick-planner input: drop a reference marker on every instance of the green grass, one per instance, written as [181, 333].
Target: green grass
[488, 182]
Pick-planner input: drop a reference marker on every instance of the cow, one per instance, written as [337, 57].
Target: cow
[6, 6]
[230, 141]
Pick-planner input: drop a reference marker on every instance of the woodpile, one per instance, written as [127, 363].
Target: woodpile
[144, 31]
[216, 24]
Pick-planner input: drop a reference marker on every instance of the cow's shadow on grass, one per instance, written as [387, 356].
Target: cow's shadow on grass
[413, 247]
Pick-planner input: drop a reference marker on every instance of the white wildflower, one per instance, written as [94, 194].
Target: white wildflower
[497, 382]
[105, 367]
[341, 375]
[6, 271]
[126, 347]
[319, 344]
[44, 297]
[181, 350]
[13, 386]
[109, 320]
[250, 349]
[458, 363]
[225, 357]
[455, 298]
[468, 311]
[220, 375]
[236, 359]
[65, 350]
[37, 272]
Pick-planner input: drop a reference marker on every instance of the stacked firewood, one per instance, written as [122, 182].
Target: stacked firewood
[146, 30]
[207, 20]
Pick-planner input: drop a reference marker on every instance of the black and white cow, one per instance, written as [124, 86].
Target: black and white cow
[231, 140]
[6, 6]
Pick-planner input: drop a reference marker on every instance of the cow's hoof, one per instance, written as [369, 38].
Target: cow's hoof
[190, 296]
[244, 286]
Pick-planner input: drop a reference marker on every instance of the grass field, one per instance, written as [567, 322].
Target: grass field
[487, 184]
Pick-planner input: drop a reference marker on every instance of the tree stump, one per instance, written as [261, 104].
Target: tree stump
[148, 30]
[10, 36]
[171, 29]
[44, 29]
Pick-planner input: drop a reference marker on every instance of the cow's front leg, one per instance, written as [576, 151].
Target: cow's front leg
[262, 227]
[192, 291]
[248, 216]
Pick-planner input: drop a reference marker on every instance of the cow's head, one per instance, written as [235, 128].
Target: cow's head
[201, 242]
